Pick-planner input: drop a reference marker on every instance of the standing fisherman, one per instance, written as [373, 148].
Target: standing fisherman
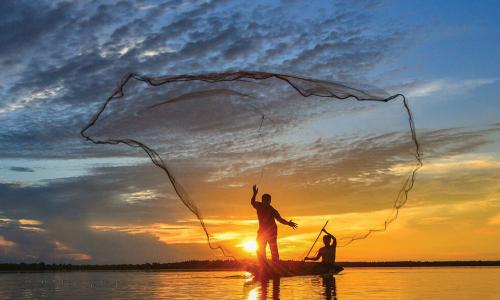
[268, 231]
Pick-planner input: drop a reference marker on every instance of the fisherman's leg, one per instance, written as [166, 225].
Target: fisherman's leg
[273, 246]
[261, 248]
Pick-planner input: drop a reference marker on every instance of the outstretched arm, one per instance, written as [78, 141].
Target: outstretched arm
[255, 191]
[290, 223]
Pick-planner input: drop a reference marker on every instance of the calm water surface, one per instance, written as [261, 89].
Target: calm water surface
[354, 283]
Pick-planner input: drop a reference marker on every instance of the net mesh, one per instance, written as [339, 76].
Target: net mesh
[308, 141]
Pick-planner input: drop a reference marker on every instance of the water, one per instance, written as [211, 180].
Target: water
[353, 283]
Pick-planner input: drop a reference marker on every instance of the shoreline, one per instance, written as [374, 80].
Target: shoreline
[224, 265]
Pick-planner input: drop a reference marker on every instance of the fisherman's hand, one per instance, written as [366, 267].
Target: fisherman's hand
[324, 230]
[255, 189]
[292, 224]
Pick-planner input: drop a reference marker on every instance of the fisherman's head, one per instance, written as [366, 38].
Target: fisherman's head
[327, 240]
[266, 199]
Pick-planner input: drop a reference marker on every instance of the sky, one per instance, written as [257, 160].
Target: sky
[63, 199]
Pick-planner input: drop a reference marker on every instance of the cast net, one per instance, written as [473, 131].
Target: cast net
[318, 147]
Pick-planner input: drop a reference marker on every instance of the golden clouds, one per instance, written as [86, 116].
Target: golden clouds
[5, 243]
[457, 163]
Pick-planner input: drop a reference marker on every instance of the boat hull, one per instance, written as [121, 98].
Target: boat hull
[292, 268]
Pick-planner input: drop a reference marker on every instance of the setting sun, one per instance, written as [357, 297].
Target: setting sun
[249, 246]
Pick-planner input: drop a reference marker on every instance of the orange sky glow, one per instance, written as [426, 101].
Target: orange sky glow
[430, 227]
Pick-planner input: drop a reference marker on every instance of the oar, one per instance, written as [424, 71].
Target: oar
[316, 239]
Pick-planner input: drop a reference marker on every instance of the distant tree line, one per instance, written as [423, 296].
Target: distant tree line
[185, 265]
[215, 265]
[381, 264]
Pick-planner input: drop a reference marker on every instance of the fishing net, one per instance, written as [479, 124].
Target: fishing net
[314, 145]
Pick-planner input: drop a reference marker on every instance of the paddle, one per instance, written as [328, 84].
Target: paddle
[316, 239]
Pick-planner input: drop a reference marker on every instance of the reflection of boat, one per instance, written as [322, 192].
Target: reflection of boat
[292, 268]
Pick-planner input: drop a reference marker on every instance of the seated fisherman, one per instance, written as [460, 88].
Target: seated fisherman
[327, 252]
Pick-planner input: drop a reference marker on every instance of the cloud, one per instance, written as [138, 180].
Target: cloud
[21, 169]
[31, 99]
[450, 164]
[447, 86]
[72, 54]
[30, 222]
[5, 243]
[53, 222]
[24, 23]
[70, 253]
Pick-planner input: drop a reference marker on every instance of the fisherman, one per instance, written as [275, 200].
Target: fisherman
[268, 231]
[328, 251]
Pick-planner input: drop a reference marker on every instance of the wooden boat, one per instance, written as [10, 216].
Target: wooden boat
[292, 268]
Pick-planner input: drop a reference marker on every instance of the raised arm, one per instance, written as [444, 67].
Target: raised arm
[331, 235]
[255, 191]
[290, 223]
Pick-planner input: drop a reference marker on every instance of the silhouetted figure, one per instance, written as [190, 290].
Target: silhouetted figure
[268, 231]
[328, 251]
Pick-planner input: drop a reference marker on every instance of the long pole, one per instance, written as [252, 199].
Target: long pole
[316, 239]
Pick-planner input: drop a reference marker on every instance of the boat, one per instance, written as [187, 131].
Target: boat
[292, 268]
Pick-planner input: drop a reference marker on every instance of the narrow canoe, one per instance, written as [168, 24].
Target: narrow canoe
[292, 268]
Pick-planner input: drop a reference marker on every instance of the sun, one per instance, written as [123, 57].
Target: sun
[249, 246]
